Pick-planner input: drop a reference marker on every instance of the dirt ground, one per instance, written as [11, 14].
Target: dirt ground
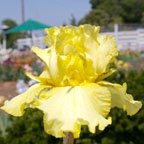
[7, 91]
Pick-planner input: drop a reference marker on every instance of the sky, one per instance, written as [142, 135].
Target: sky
[51, 12]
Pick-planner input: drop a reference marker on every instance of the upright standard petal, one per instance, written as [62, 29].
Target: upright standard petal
[50, 38]
[75, 70]
[50, 57]
[44, 54]
[17, 105]
[120, 99]
[102, 53]
[67, 108]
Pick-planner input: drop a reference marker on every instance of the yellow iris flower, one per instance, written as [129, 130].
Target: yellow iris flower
[71, 90]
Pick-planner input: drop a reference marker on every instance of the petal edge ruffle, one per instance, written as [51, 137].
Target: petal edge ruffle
[120, 99]
[70, 107]
[17, 105]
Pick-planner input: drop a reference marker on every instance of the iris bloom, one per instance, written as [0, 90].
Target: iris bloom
[71, 90]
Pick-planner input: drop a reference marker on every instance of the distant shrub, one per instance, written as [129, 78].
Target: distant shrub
[28, 130]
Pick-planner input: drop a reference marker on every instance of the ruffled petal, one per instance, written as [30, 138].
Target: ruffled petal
[44, 54]
[94, 52]
[105, 75]
[50, 38]
[67, 108]
[120, 99]
[101, 52]
[64, 70]
[50, 57]
[16, 105]
[73, 70]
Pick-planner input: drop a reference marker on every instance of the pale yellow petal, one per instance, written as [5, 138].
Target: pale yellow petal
[120, 99]
[50, 38]
[16, 105]
[53, 68]
[105, 75]
[101, 53]
[107, 51]
[72, 39]
[78, 55]
[50, 57]
[84, 41]
[44, 54]
[90, 31]
[67, 108]
[75, 70]
[65, 69]
[65, 38]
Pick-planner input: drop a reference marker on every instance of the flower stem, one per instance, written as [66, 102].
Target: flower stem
[69, 138]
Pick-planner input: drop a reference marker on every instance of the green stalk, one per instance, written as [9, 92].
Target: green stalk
[69, 138]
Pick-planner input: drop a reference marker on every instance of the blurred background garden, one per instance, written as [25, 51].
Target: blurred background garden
[124, 19]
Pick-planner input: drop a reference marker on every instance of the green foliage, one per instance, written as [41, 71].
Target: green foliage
[96, 17]
[10, 23]
[94, 3]
[132, 10]
[2, 141]
[8, 74]
[4, 122]
[73, 20]
[11, 38]
[28, 130]
[107, 12]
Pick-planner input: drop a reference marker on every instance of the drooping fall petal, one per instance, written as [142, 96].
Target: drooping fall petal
[67, 108]
[17, 105]
[120, 99]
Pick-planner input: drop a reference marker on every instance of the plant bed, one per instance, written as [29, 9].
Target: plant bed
[8, 89]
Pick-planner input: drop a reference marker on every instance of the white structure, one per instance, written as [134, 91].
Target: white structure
[29, 42]
[133, 40]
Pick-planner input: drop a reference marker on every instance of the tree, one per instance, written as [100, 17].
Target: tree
[117, 11]
[132, 10]
[96, 17]
[10, 23]
[94, 3]
[12, 37]
[73, 20]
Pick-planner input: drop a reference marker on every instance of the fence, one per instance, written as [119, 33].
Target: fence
[130, 39]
